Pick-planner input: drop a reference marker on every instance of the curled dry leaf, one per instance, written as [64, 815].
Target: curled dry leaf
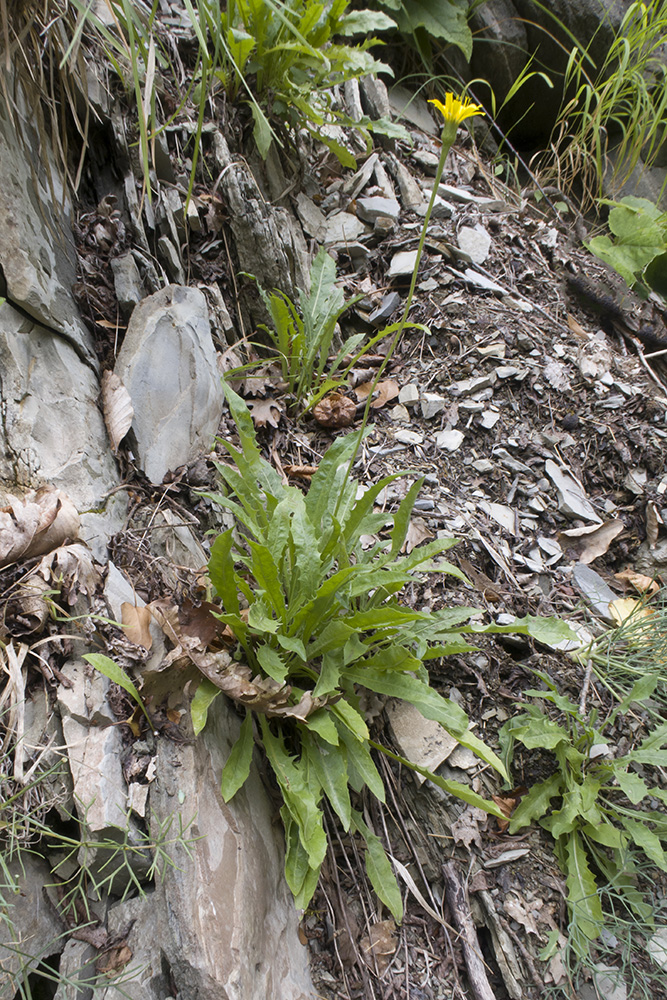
[265, 411]
[384, 392]
[261, 694]
[625, 609]
[136, 624]
[73, 569]
[335, 410]
[590, 542]
[35, 524]
[418, 532]
[300, 471]
[653, 523]
[643, 584]
[117, 408]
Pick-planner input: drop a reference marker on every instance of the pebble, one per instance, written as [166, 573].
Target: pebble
[388, 306]
[371, 209]
[408, 395]
[431, 405]
[475, 242]
[406, 436]
[402, 264]
[449, 440]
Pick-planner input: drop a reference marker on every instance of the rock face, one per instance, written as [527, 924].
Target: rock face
[30, 924]
[168, 365]
[236, 934]
[518, 28]
[36, 248]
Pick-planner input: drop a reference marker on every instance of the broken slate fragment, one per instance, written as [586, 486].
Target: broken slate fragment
[127, 283]
[594, 589]
[572, 500]
[424, 742]
[479, 281]
[432, 405]
[449, 440]
[402, 264]
[168, 365]
[371, 209]
[475, 242]
[389, 305]
[343, 228]
[409, 394]
[310, 216]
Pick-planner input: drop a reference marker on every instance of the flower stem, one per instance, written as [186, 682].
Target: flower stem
[448, 137]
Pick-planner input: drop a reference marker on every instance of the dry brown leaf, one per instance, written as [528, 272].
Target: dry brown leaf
[35, 524]
[516, 907]
[653, 522]
[265, 411]
[72, 569]
[114, 958]
[490, 591]
[643, 584]
[628, 607]
[379, 945]
[262, 694]
[588, 543]
[335, 410]
[465, 830]
[384, 392]
[198, 621]
[117, 408]
[136, 624]
[576, 327]
[300, 471]
[418, 532]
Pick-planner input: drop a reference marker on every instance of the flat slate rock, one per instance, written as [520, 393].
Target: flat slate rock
[168, 365]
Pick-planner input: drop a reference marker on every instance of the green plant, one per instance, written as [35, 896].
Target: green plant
[315, 614]
[638, 250]
[423, 20]
[617, 112]
[589, 803]
[303, 337]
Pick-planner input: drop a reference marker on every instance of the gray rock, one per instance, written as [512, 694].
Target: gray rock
[36, 247]
[409, 394]
[311, 217]
[269, 242]
[594, 589]
[370, 209]
[412, 108]
[127, 283]
[227, 926]
[411, 193]
[374, 97]
[389, 305]
[402, 264]
[30, 928]
[94, 746]
[170, 259]
[52, 429]
[432, 404]
[343, 228]
[352, 95]
[572, 501]
[76, 971]
[475, 242]
[168, 365]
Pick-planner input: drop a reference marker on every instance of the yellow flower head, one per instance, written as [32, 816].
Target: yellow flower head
[456, 109]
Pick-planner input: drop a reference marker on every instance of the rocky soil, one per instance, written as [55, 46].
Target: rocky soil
[531, 397]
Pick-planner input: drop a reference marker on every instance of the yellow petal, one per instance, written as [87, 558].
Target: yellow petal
[456, 109]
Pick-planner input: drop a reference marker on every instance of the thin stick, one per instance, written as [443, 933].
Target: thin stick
[457, 899]
[584, 690]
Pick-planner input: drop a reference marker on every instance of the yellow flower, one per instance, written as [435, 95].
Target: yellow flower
[456, 109]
